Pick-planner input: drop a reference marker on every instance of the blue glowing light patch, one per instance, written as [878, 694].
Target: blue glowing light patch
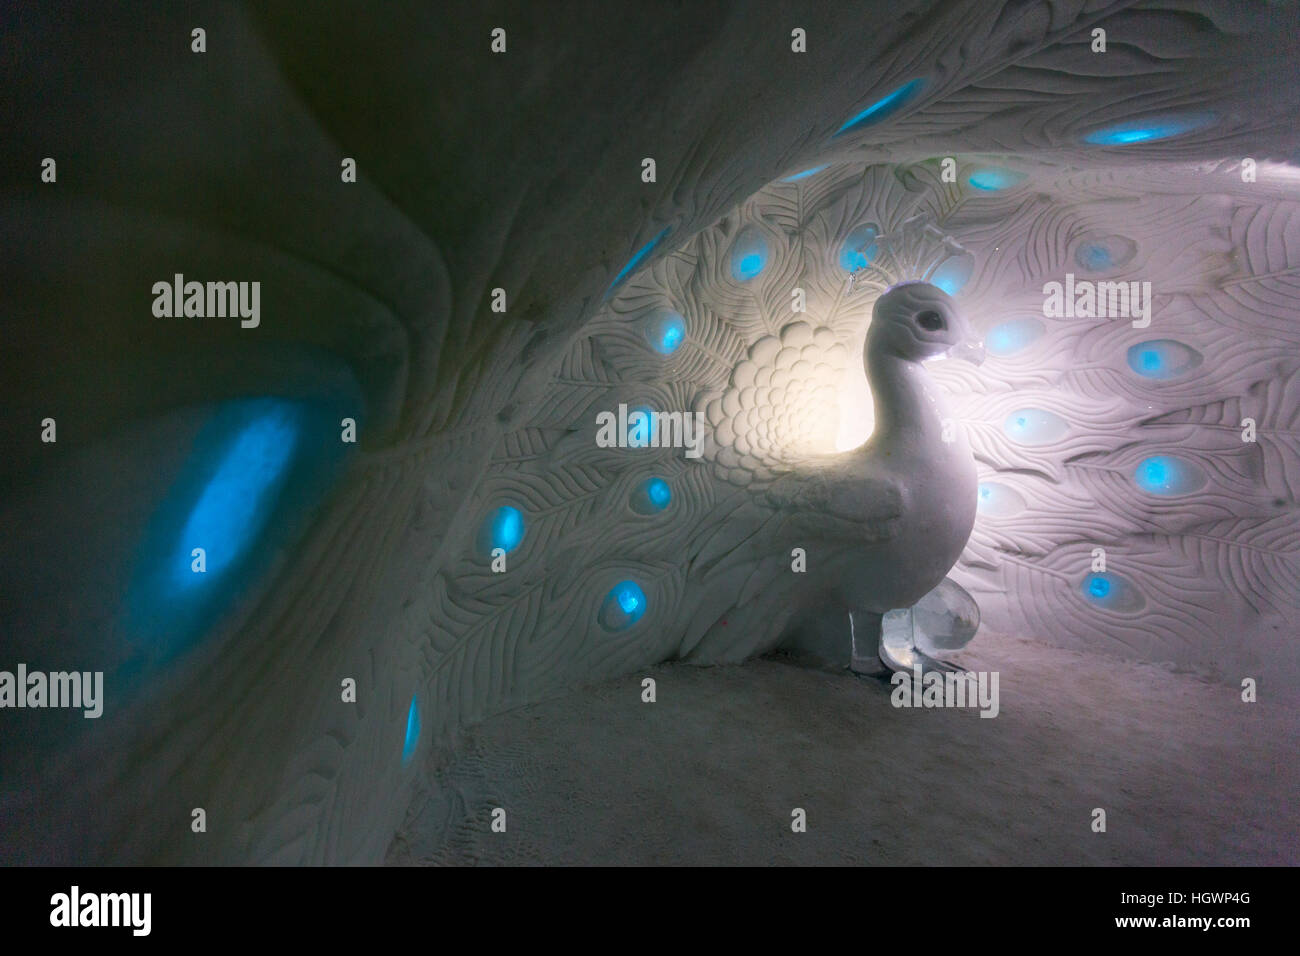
[233, 506]
[805, 174]
[1009, 338]
[1149, 130]
[641, 255]
[252, 473]
[953, 273]
[1093, 257]
[505, 528]
[859, 248]
[665, 331]
[998, 501]
[884, 107]
[659, 492]
[993, 178]
[1034, 426]
[412, 730]
[1112, 592]
[1101, 253]
[1162, 359]
[1168, 476]
[748, 255]
[651, 496]
[623, 606]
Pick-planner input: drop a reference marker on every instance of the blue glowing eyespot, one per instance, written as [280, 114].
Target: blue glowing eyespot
[252, 475]
[996, 500]
[623, 606]
[1168, 476]
[659, 493]
[1010, 337]
[640, 256]
[1163, 359]
[1093, 257]
[748, 255]
[1035, 426]
[884, 107]
[1112, 592]
[671, 338]
[1149, 130]
[505, 528]
[953, 273]
[665, 331]
[992, 178]
[412, 730]
[805, 174]
[1103, 253]
[859, 248]
[234, 504]
[651, 496]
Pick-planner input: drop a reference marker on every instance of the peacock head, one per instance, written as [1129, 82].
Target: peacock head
[918, 321]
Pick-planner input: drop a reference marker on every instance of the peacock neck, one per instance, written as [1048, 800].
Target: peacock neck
[908, 408]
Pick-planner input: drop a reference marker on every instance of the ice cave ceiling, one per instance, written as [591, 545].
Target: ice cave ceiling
[821, 171]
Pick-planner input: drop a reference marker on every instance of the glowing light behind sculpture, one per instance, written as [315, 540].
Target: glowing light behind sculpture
[996, 500]
[993, 178]
[1008, 338]
[1163, 359]
[805, 174]
[233, 506]
[1103, 253]
[859, 248]
[506, 528]
[666, 331]
[952, 274]
[412, 730]
[1112, 592]
[749, 255]
[884, 107]
[250, 477]
[1168, 476]
[1149, 130]
[625, 604]
[1034, 426]
[637, 259]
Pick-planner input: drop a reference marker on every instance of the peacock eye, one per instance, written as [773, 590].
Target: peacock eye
[930, 321]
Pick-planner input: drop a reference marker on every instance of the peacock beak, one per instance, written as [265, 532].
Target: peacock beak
[970, 351]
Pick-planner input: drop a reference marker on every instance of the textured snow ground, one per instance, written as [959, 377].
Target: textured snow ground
[709, 774]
